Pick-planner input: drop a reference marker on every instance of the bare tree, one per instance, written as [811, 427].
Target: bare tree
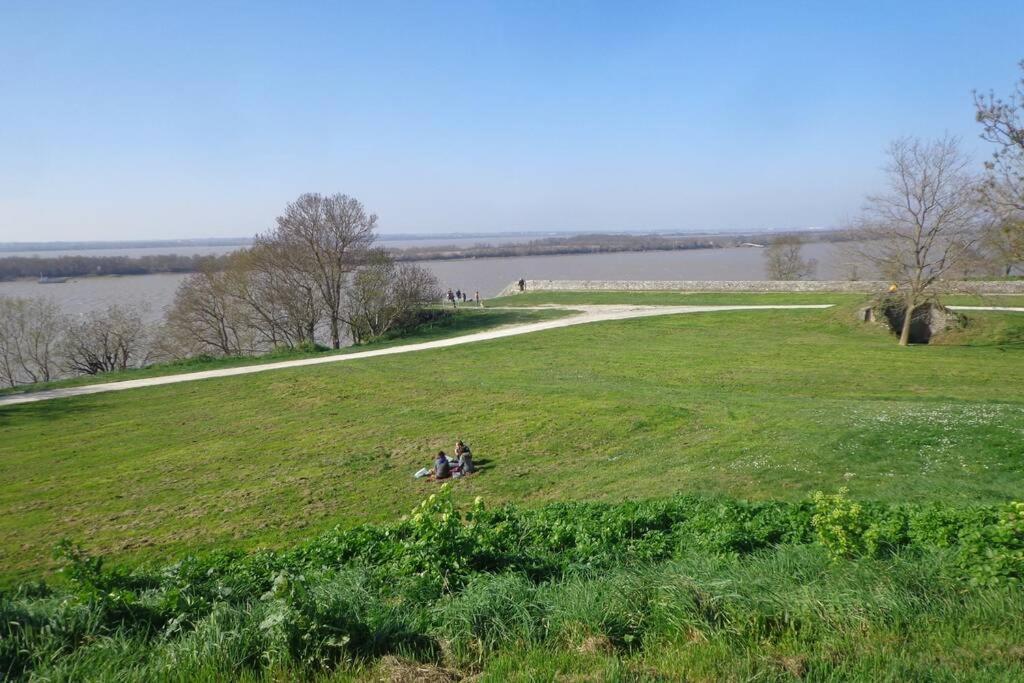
[30, 330]
[385, 295]
[1003, 239]
[205, 318]
[285, 299]
[1002, 123]
[924, 225]
[326, 237]
[784, 261]
[8, 348]
[106, 340]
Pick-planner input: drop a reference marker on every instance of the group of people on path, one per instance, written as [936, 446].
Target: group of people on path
[459, 296]
[446, 468]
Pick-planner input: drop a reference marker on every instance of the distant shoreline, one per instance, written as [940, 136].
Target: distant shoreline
[522, 237]
[92, 265]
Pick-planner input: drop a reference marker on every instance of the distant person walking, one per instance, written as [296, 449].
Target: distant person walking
[522, 284]
[458, 295]
[476, 297]
[451, 299]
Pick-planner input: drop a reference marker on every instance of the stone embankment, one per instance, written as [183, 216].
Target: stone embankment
[866, 286]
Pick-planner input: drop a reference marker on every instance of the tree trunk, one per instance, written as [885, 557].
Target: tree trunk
[908, 317]
[335, 333]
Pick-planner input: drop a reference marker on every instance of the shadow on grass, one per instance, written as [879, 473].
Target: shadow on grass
[395, 639]
[467, 320]
[1005, 333]
[42, 410]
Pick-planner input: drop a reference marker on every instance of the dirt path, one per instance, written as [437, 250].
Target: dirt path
[587, 314]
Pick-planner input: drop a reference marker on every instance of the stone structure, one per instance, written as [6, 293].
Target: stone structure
[930, 319]
[864, 286]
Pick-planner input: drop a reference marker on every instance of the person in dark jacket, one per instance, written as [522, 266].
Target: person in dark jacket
[442, 468]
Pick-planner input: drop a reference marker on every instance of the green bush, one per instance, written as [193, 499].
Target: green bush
[994, 553]
[467, 582]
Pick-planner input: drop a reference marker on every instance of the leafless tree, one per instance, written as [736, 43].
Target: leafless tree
[924, 225]
[326, 237]
[205, 318]
[30, 330]
[784, 261]
[106, 340]
[1002, 123]
[385, 295]
[285, 299]
[1003, 239]
[316, 269]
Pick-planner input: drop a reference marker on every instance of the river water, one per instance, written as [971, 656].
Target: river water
[216, 249]
[488, 275]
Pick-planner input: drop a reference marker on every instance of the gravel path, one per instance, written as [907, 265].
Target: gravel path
[587, 314]
[1010, 309]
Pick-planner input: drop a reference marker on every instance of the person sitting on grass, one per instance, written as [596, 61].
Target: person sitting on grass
[463, 457]
[442, 468]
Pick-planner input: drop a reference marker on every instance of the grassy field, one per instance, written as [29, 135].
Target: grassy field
[656, 298]
[759, 404]
[467, 321]
[914, 584]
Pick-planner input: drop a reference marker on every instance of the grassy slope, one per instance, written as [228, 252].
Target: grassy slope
[759, 404]
[468, 321]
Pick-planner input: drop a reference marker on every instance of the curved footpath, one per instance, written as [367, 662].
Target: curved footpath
[587, 314]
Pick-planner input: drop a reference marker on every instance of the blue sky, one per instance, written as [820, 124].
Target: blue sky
[137, 120]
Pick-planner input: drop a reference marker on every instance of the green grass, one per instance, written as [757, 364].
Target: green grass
[467, 321]
[656, 298]
[777, 616]
[540, 298]
[763, 404]
[670, 589]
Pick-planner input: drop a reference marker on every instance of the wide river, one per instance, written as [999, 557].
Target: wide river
[488, 275]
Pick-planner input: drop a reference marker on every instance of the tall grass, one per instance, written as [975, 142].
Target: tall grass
[671, 589]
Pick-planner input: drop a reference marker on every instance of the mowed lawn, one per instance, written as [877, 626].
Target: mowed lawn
[758, 404]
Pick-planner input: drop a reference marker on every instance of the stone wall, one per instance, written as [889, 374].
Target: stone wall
[866, 286]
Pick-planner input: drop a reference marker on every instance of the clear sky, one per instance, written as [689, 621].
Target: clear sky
[136, 121]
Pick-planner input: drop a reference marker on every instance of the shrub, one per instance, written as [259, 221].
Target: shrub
[473, 580]
[994, 553]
